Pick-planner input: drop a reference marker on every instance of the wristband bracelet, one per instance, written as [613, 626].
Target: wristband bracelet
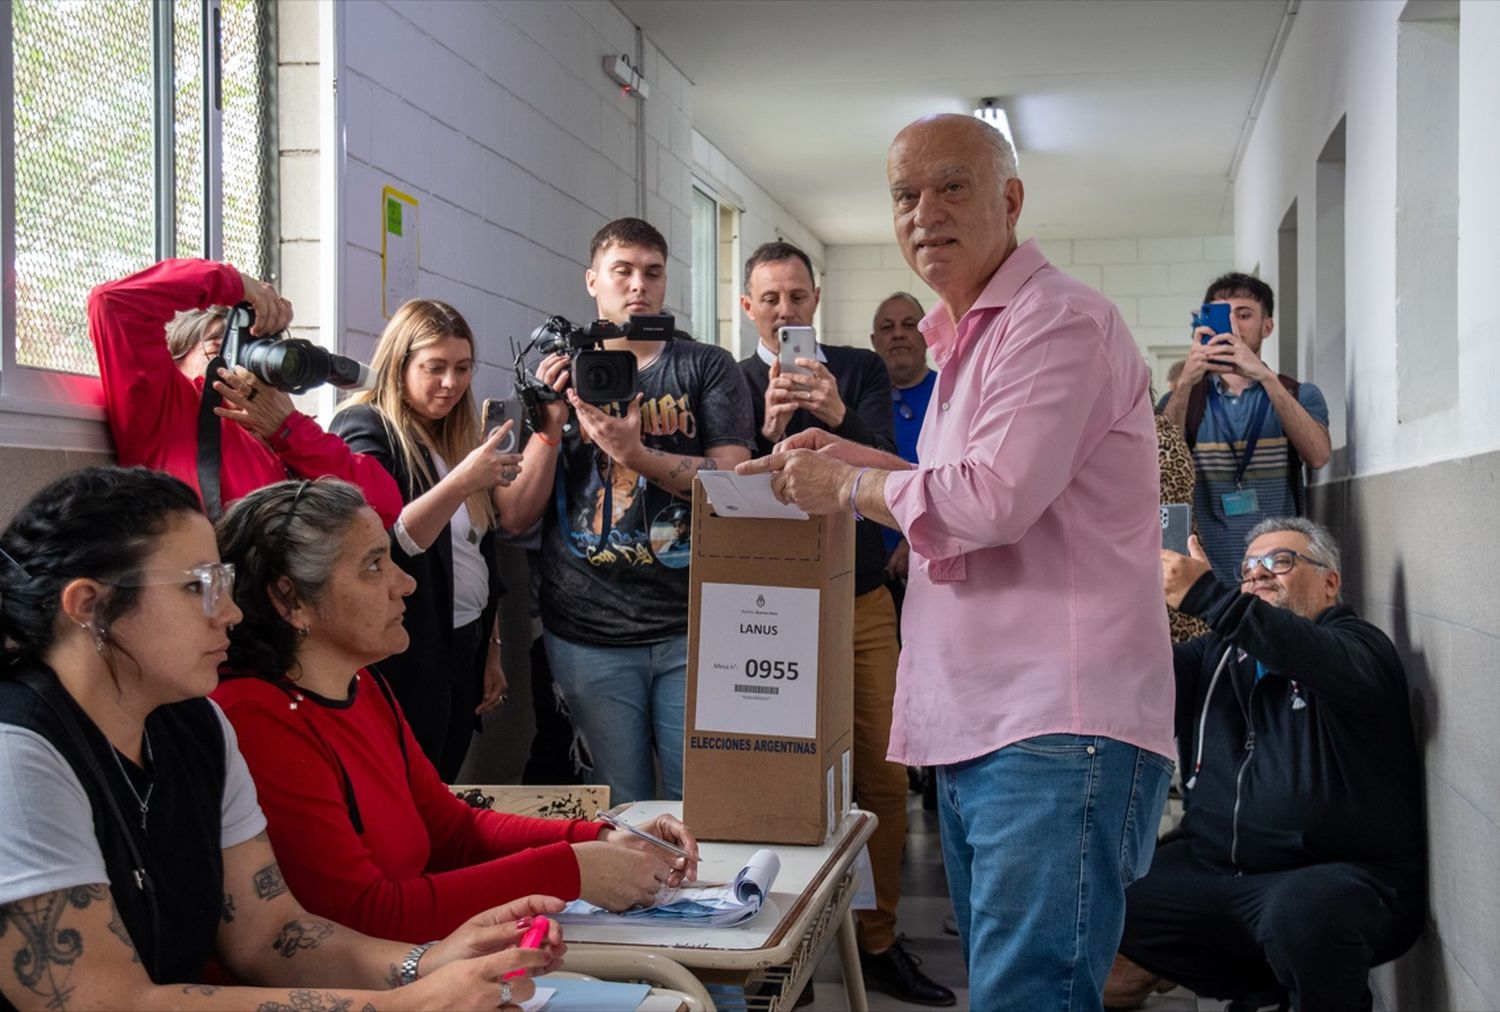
[407, 973]
[854, 495]
[404, 539]
[547, 440]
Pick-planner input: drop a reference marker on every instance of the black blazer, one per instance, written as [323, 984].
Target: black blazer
[429, 610]
[865, 388]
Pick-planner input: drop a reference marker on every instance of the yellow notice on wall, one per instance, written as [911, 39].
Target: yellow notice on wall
[399, 258]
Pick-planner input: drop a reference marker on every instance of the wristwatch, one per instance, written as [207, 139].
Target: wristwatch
[407, 973]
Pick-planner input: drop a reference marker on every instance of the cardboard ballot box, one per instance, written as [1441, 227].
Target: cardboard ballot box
[770, 677]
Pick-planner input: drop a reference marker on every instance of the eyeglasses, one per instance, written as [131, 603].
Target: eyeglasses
[214, 582]
[1282, 560]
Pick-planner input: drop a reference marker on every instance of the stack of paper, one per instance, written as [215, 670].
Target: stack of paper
[704, 904]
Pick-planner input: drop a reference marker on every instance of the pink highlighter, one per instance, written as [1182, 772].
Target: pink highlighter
[531, 940]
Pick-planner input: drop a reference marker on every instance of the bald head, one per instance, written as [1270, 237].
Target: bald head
[955, 199]
[967, 129]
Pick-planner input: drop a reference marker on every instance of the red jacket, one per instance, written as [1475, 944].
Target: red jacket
[420, 862]
[153, 409]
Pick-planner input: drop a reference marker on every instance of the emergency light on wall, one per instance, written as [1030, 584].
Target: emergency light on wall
[624, 73]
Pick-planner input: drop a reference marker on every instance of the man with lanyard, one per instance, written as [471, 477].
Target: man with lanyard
[1250, 430]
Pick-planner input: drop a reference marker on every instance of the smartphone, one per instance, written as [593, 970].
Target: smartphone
[491, 416]
[1176, 524]
[797, 342]
[1214, 315]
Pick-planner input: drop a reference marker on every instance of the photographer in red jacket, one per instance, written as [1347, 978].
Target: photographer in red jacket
[155, 334]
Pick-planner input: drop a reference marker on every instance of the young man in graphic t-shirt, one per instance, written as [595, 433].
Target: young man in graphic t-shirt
[611, 494]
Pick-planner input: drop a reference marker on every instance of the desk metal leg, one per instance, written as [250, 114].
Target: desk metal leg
[854, 977]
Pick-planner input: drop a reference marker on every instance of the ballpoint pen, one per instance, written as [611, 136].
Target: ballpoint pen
[616, 822]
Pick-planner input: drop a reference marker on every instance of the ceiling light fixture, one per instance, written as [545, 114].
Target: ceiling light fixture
[993, 113]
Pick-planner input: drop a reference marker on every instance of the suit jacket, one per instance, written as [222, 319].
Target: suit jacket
[865, 388]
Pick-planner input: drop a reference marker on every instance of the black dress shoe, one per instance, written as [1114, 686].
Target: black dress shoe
[895, 971]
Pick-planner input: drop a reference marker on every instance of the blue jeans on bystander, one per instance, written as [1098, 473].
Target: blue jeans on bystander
[622, 701]
[1040, 839]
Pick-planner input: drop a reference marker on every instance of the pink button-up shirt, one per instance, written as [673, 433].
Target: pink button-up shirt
[1035, 603]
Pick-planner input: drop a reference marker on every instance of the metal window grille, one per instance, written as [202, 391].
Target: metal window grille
[91, 188]
[250, 222]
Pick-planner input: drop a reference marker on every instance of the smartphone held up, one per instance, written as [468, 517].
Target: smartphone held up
[796, 342]
[492, 415]
[1216, 317]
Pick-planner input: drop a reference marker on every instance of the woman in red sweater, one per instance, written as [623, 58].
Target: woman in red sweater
[368, 835]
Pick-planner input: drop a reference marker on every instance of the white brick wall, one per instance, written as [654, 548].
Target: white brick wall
[1155, 283]
[499, 119]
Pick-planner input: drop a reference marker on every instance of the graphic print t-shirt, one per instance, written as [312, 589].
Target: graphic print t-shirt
[615, 547]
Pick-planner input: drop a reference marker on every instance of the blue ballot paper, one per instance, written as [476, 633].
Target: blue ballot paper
[575, 994]
[709, 905]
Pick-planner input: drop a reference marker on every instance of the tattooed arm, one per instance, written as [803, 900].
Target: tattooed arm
[69, 949]
[619, 436]
[269, 939]
[675, 472]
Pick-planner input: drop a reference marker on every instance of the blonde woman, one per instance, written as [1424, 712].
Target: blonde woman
[420, 423]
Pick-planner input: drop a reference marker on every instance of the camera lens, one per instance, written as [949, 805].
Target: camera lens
[599, 377]
[294, 365]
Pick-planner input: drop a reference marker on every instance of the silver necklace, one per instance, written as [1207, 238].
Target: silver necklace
[144, 803]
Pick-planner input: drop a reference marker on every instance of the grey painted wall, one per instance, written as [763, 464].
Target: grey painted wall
[1422, 561]
[27, 470]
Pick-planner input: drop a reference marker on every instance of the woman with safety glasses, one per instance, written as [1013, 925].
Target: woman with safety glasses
[369, 835]
[132, 849]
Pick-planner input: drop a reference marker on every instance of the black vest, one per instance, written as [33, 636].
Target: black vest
[182, 844]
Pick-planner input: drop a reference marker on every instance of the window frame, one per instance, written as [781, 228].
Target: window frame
[45, 408]
[723, 199]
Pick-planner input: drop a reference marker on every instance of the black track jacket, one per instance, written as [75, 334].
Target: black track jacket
[1317, 762]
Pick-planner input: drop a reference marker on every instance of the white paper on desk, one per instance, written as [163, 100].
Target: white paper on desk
[746, 495]
[695, 904]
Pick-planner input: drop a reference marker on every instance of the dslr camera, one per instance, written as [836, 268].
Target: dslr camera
[599, 376]
[291, 364]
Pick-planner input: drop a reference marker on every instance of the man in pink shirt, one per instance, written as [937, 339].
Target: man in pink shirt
[1036, 667]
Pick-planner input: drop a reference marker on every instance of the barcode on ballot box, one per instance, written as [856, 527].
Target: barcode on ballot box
[758, 690]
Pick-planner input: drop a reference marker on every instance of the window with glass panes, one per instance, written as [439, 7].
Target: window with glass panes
[141, 130]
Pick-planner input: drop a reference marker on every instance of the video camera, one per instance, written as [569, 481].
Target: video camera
[599, 376]
[291, 364]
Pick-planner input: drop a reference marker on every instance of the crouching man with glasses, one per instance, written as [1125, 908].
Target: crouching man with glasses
[1300, 861]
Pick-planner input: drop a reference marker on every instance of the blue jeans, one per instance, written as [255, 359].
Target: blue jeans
[1040, 839]
[624, 700]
